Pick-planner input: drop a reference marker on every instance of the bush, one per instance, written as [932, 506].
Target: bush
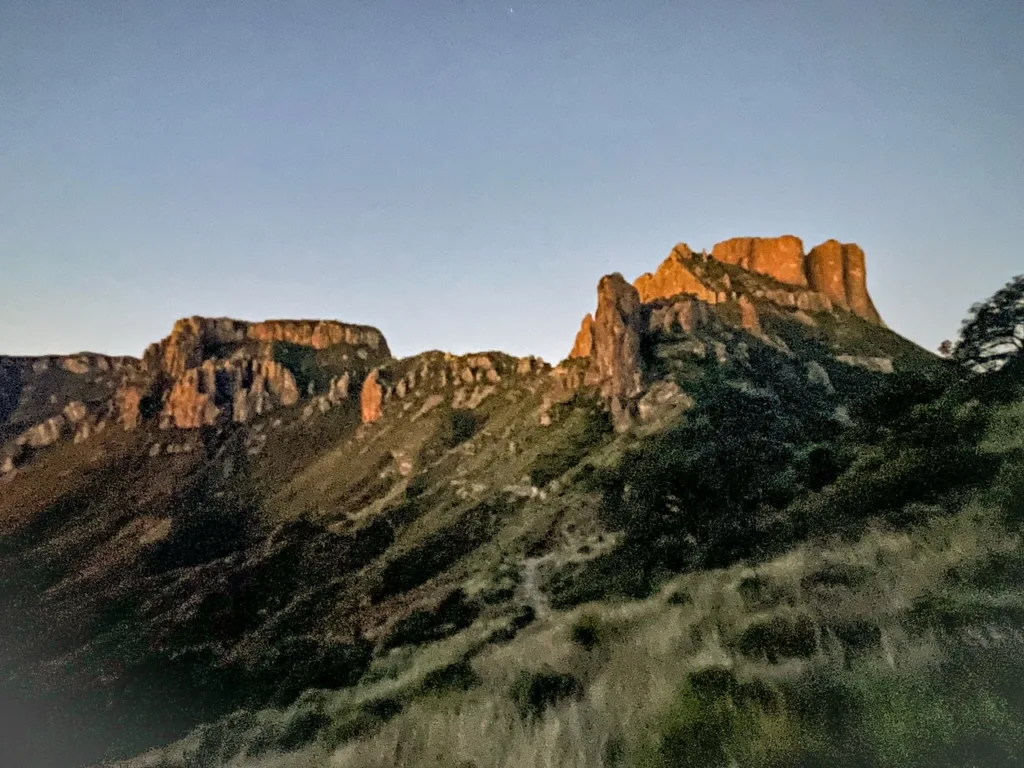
[699, 494]
[587, 632]
[836, 575]
[302, 730]
[759, 592]
[534, 692]
[785, 636]
[857, 636]
[459, 676]
[460, 426]
[364, 721]
[453, 613]
[680, 597]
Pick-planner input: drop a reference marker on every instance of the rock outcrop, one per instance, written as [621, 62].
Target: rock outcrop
[779, 257]
[678, 274]
[318, 334]
[207, 371]
[691, 294]
[193, 338]
[838, 270]
[464, 381]
[371, 398]
[833, 275]
[215, 369]
[615, 358]
[583, 347]
[238, 388]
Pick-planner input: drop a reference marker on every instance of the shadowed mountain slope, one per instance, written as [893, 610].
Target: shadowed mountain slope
[254, 511]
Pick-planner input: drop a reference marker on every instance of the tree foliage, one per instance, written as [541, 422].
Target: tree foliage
[699, 493]
[993, 333]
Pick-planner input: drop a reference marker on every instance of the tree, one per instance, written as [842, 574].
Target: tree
[993, 332]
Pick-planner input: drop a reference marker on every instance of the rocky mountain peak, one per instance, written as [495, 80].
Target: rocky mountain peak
[734, 287]
[835, 271]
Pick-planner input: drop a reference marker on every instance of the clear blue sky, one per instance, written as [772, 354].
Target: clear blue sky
[460, 173]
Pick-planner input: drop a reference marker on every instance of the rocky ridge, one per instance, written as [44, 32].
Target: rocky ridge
[690, 291]
[272, 507]
[208, 371]
[471, 379]
[216, 371]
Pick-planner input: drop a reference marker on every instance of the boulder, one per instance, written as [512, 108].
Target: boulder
[875, 364]
[817, 375]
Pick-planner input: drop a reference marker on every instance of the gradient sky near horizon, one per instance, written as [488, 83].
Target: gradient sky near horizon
[460, 173]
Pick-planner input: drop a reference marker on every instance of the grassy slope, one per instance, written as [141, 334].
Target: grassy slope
[478, 526]
[911, 633]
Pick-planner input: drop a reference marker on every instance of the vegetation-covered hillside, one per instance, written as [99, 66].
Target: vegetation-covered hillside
[741, 525]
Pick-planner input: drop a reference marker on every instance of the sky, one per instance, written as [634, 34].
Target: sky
[460, 173]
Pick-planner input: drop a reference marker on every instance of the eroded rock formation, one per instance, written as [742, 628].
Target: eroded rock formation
[464, 381]
[690, 293]
[615, 358]
[207, 371]
[779, 257]
[584, 344]
[239, 388]
[838, 270]
[371, 398]
[677, 274]
[832, 275]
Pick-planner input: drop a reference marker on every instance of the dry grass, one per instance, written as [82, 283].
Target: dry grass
[632, 676]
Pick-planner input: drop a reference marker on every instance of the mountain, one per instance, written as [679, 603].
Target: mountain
[282, 532]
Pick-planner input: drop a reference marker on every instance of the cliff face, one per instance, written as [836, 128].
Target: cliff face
[214, 369]
[839, 271]
[615, 356]
[208, 371]
[780, 257]
[835, 271]
[584, 344]
[677, 274]
[691, 292]
[193, 338]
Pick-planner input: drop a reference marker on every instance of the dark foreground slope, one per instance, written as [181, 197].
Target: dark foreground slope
[478, 556]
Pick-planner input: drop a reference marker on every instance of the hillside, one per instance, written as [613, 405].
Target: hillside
[740, 504]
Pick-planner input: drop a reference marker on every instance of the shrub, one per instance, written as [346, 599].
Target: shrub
[458, 676]
[302, 730]
[362, 722]
[453, 613]
[784, 636]
[836, 575]
[522, 617]
[460, 426]
[587, 632]
[759, 592]
[857, 636]
[680, 597]
[711, 682]
[534, 692]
